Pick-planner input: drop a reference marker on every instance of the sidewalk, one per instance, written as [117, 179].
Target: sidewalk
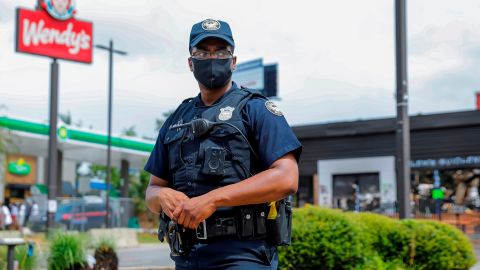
[477, 253]
[141, 257]
[476, 246]
[145, 257]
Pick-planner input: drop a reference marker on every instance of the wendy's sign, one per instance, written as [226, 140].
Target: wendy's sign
[55, 34]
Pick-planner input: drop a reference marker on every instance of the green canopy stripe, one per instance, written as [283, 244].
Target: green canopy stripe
[22, 125]
[75, 135]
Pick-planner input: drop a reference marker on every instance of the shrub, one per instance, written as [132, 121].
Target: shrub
[330, 239]
[105, 255]
[439, 246]
[324, 239]
[67, 252]
[388, 237]
[25, 260]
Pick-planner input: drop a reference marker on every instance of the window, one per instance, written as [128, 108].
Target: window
[360, 192]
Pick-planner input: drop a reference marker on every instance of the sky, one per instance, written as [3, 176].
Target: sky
[336, 59]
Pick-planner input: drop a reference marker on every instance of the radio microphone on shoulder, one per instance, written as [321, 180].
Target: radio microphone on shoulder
[199, 126]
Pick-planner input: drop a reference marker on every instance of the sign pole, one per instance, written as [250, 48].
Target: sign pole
[111, 52]
[403, 120]
[109, 138]
[52, 17]
[52, 146]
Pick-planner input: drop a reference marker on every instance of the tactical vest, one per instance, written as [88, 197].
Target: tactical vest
[221, 157]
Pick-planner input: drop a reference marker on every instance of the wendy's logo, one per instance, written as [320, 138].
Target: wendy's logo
[60, 9]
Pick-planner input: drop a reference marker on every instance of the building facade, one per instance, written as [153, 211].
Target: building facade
[351, 165]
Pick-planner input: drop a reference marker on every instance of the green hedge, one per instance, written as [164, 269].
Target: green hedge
[439, 246]
[331, 239]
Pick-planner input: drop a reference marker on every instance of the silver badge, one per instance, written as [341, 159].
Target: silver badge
[211, 25]
[273, 108]
[226, 113]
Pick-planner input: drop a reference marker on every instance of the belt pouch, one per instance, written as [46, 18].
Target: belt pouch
[246, 224]
[260, 220]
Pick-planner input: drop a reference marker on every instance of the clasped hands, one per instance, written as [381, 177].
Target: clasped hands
[188, 212]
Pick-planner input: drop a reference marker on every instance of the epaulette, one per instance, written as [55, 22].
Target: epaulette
[187, 100]
[253, 93]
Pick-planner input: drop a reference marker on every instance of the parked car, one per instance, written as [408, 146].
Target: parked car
[75, 214]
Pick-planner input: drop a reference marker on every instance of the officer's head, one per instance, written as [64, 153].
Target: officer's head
[211, 53]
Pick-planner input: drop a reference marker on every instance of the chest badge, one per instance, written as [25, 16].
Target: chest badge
[273, 108]
[226, 113]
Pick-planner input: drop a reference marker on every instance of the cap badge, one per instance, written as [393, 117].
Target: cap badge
[226, 113]
[210, 25]
[273, 108]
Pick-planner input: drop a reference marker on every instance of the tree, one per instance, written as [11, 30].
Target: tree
[101, 171]
[160, 121]
[66, 117]
[130, 132]
[4, 140]
[137, 188]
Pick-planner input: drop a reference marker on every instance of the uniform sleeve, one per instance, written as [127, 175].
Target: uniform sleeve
[157, 163]
[270, 133]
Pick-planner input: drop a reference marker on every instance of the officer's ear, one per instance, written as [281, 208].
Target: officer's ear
[190, 63]
[234, 62]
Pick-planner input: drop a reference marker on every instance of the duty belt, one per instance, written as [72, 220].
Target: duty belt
[245, 222]
[216, 227]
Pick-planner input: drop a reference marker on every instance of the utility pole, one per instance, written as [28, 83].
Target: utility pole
[52, 161]
[111, 51]
[403, 120]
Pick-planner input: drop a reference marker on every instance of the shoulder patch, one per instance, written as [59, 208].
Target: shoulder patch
[273, 108]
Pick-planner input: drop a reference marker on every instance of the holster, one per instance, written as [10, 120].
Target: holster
[279, 230]
[178, 238]
[162, 227]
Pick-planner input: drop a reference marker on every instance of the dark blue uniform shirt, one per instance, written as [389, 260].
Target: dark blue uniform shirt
[268, 133]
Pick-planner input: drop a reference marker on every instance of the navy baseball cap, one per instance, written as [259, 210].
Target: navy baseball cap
[210, 28]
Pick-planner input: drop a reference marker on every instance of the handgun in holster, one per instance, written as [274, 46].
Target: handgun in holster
[279, 222]
[177, 237]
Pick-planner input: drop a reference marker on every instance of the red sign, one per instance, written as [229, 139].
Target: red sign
[39, 33]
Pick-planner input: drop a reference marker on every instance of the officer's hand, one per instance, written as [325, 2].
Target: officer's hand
[170, 199]
[191, 212]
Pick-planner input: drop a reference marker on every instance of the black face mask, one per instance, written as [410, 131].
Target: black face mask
[212, 73]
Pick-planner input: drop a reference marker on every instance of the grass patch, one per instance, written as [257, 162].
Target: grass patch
[147, 238]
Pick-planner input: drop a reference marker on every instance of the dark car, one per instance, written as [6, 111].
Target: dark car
[80, 215]
[74, 215]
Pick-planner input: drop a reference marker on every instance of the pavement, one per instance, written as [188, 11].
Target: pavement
[157, 257]
[477, 253]
[145, 257]
[141, 257]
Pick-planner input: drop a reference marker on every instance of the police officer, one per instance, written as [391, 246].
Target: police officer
[219, 159]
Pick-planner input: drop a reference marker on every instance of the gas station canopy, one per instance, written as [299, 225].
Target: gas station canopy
[81, 145]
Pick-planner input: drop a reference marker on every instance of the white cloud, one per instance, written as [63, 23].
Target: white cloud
[336, 58]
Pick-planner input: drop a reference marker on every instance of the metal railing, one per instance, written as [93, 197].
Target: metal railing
[82, 214]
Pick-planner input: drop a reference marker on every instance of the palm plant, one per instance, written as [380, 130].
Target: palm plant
[106, 255]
